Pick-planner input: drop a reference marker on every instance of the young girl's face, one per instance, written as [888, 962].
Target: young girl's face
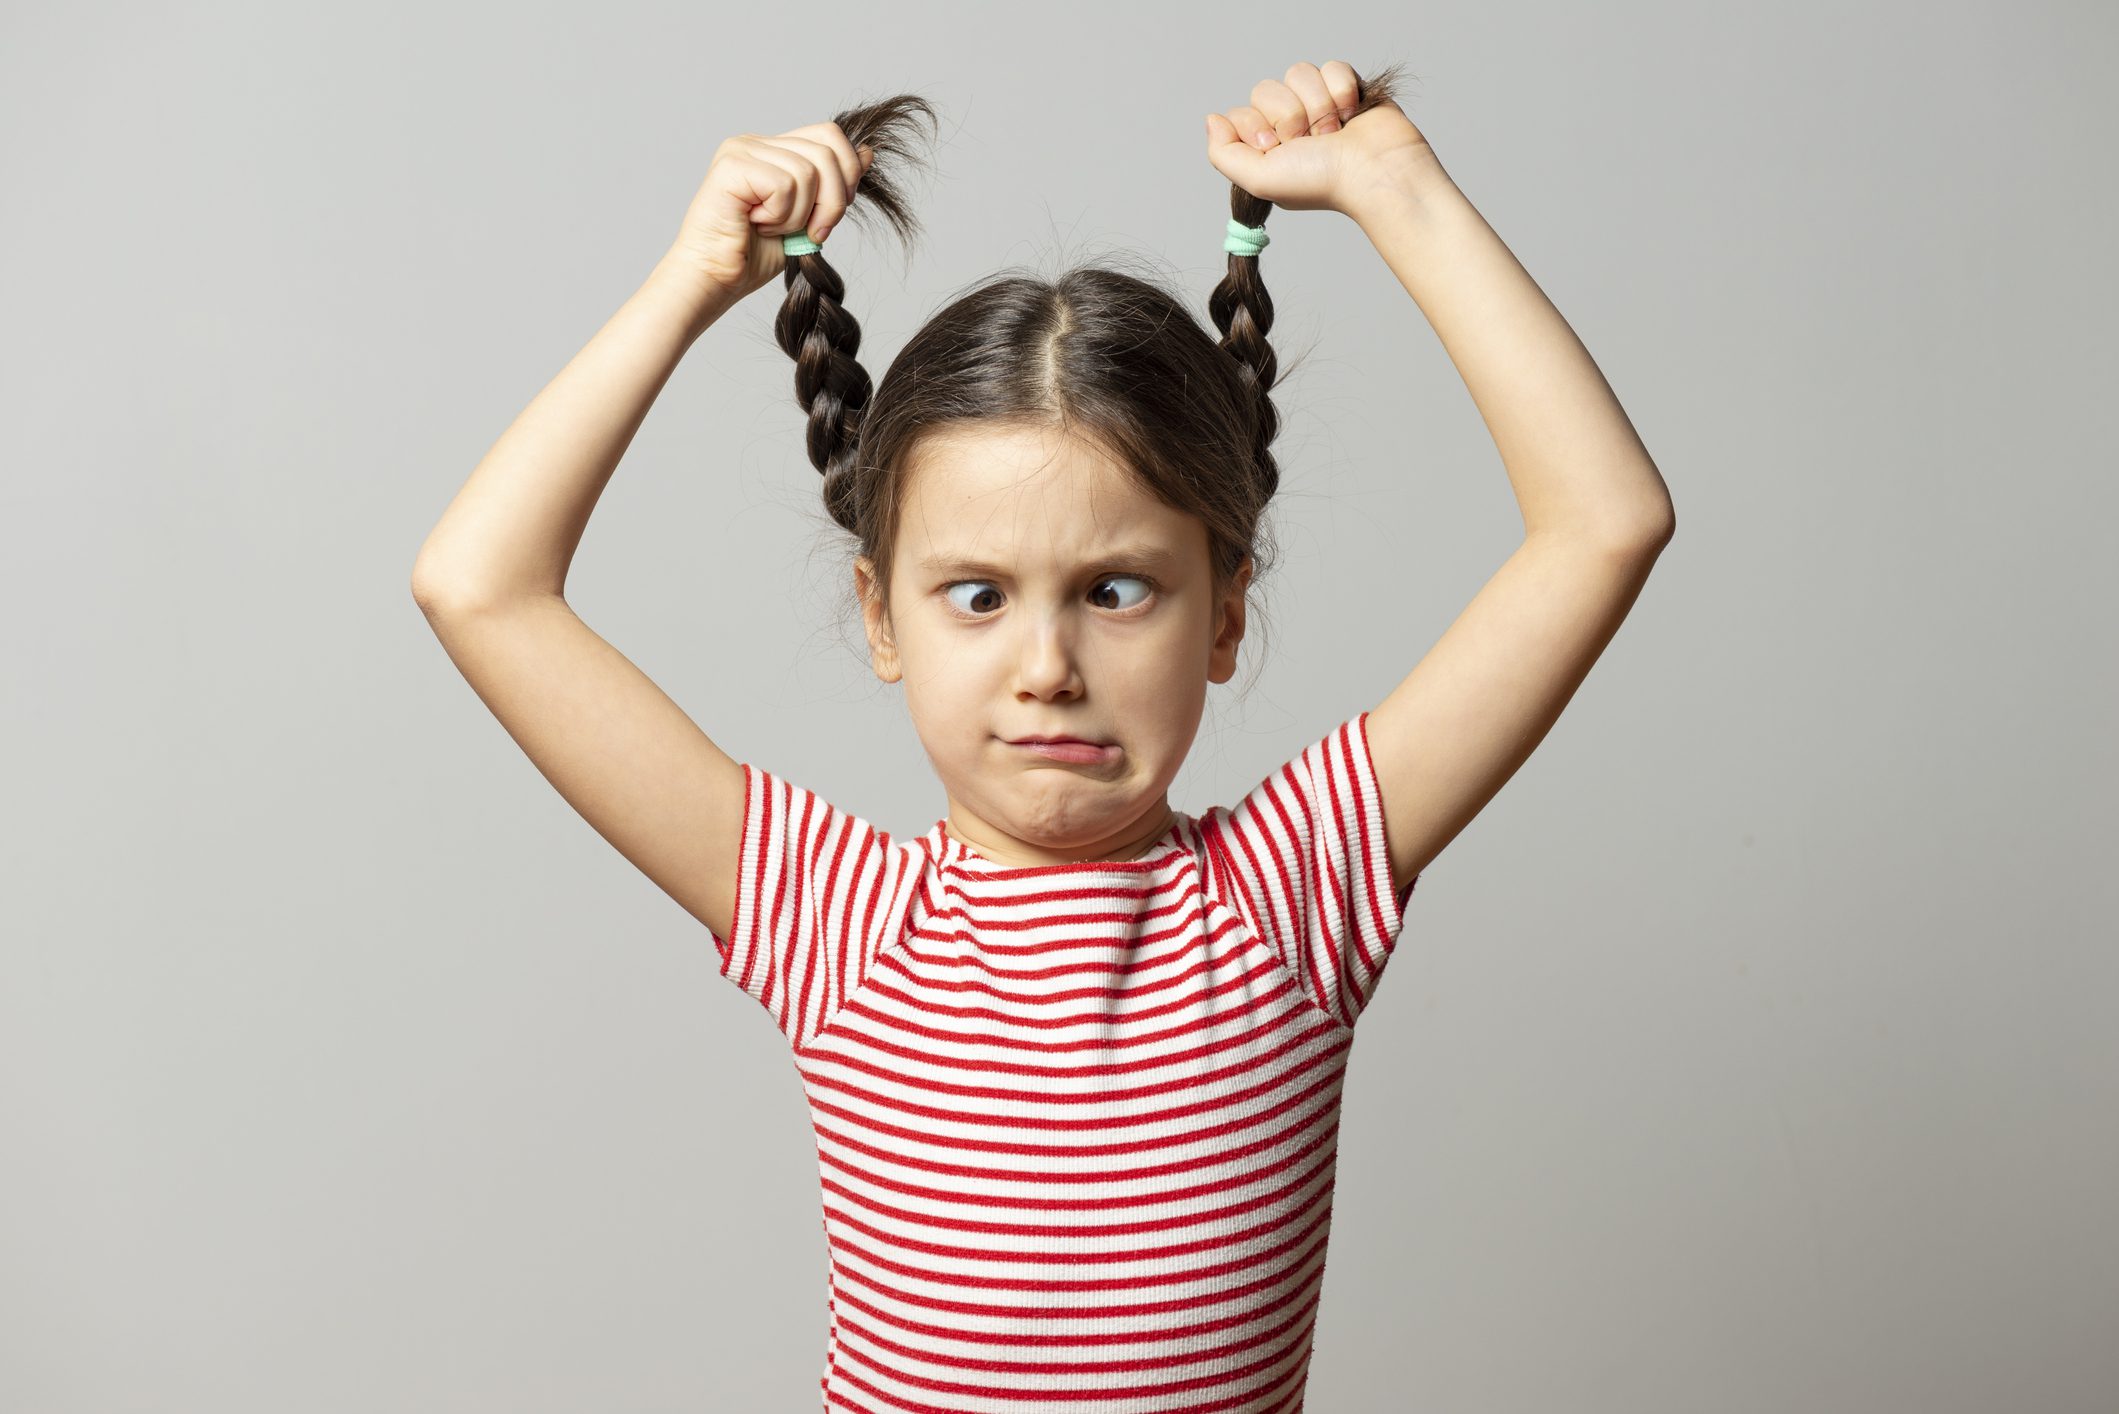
[1036, 590]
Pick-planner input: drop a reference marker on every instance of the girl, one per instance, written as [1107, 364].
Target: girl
[1073, 1057]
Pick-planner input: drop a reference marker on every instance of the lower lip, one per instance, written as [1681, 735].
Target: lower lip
[1080, 753]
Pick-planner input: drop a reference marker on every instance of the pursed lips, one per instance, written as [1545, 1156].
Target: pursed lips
[1079, 750]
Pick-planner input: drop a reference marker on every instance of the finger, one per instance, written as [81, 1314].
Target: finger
[1252, 127]
[791, 189]
[851, 161]
[832, 190]
[1344, 85]
[802, 177]
[766, 188]
[1283, 111]
[1232, 155]
[1320, 113]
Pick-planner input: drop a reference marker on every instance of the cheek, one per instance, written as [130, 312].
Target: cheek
[1173, 651]
[936, 656]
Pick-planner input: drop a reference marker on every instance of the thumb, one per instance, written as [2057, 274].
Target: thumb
[1231, 155]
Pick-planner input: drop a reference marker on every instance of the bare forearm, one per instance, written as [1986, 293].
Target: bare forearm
[1570, 451]
[514, 527]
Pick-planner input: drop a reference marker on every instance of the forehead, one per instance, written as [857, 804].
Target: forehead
[1031, 498]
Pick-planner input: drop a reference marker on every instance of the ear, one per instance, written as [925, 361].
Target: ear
[1228, 625]
[882, 643]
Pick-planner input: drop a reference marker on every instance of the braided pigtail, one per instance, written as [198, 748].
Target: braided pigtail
[1243, 311]
[813, 324]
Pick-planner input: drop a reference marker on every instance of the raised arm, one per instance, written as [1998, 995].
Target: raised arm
[1596, 515]
[1595, 511]
[491, 576]
[491, 579]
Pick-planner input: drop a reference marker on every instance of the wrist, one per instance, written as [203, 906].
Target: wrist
[698, 298]
[1410, 185]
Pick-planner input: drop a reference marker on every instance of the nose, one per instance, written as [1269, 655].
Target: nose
[1046, 667]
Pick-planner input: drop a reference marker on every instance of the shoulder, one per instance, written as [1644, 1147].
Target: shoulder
[794, 832]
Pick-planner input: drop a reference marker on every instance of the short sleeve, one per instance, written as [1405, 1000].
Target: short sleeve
[1304, 860]
[818, 894]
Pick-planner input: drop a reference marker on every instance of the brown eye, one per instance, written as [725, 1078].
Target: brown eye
[982, 602]
[1099, 593]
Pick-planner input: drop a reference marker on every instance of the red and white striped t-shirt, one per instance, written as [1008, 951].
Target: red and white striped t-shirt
[1077, 1124]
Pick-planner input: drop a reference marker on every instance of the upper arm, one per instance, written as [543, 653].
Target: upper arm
[1472, 710]
[609, 740]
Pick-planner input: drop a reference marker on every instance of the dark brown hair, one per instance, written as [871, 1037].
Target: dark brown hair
[1096, 353]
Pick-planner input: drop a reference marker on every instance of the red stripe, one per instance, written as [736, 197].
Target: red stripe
[1330, 939]
[910, 1135]
[1140, 1312]
[1309, 1127]
[799, 954]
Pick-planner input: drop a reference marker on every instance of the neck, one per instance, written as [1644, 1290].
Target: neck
[996, 844]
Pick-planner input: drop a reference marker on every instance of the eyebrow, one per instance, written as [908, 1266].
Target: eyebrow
[1151, 557]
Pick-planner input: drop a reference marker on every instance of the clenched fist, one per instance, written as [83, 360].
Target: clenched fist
[760, 189]
[1310, 141]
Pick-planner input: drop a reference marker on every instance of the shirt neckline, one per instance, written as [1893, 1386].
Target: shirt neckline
[961, 855]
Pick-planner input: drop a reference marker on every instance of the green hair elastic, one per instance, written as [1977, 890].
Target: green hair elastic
[1244, 240]
[798, 243]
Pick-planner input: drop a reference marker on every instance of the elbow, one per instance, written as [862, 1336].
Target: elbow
[1651, 529]
[1641, 535]
[451, 594]
[1663, 528]
[426, 591]
[433, 589]
[437, 585]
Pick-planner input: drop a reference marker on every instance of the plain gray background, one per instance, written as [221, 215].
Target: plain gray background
[1755, 1050]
